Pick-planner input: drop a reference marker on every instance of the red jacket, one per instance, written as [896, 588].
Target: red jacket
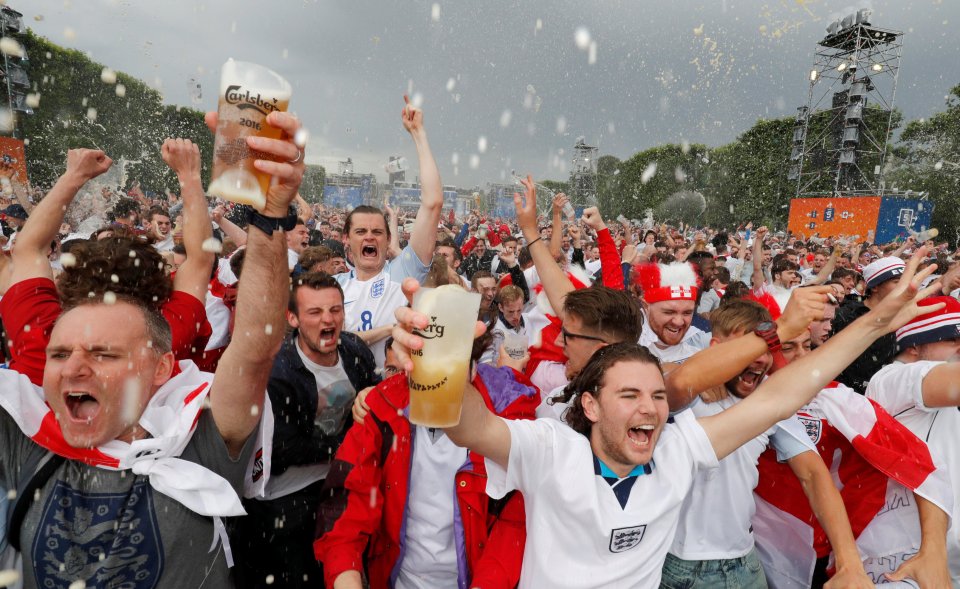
[372, 467]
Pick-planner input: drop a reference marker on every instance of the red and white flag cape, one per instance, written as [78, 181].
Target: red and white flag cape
[877, 464]
[170, 418]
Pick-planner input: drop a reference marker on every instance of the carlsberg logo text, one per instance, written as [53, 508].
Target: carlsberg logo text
[434, 330]
[243, 100]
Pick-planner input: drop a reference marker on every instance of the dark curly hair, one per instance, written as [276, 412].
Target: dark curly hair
[139, 269]
[591, 378]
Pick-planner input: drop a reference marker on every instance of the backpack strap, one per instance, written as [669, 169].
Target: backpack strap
[40, 470]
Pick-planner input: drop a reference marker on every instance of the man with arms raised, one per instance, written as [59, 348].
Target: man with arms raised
[372, 289]
[146, 469]
[578, 532]
[921, 389]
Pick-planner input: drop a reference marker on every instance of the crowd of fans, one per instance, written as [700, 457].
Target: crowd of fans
[686, 406]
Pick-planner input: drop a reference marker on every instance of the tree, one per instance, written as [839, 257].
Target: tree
[82, 106]
[927, 159]
[311, 189]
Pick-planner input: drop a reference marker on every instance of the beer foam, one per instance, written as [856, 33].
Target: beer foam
[255, 78]
[239, 186]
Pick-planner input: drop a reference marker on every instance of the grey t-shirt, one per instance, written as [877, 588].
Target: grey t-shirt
[110, 528]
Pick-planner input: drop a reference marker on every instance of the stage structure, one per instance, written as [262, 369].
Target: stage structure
[16, 83]
[583, 176]
[840, 137]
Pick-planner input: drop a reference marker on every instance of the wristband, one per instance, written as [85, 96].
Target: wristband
[533, 242]
[767, 331]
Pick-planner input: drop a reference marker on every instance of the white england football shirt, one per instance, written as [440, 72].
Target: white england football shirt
[715, 517]
[371, 303]
[898, 388]
[578, 533]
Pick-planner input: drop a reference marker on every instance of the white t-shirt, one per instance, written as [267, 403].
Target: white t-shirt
[335, 393]
[578, 534]
[430, 557]
[709, 301]
[715, 517]
[898, 388]
[292, 259]
[694, 340]
[371, 303]
[218, 314]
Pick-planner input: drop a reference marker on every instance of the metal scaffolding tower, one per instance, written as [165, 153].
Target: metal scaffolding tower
[583, 176]
[840, 137]
[16, 83]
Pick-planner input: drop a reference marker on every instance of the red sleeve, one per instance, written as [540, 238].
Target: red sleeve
[467, 246]
[610, 271]
[29, 309]
[494, 238]
[188, 324]
[342, 548]
[499, 566]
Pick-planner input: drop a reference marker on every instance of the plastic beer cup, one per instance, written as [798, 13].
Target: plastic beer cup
[515, 344]
[248, 93]
[442, 367]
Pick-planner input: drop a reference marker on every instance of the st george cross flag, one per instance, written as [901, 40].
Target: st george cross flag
[877, 463]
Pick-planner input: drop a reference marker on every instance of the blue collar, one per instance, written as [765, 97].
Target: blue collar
[601, 469]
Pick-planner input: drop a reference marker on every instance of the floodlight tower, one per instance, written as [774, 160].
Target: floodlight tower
[583, 177]
[840, 137]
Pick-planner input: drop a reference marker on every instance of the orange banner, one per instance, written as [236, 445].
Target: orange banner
[11, 150]
[829, 217]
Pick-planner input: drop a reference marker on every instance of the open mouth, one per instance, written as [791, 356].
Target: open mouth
[641, 435]
[751, 378]
[327, 337]
[369, 251]
[81, 407]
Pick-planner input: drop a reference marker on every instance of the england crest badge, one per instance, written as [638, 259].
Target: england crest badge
[623, 539]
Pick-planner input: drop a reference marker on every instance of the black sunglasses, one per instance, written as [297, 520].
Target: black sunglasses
[567, 334]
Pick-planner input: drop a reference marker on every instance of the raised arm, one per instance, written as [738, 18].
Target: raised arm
[556, 236]
[758, 279]
[793, 386]
[33, 242]
[555, 282]
[721, 362]
[229, 228]
[241, 378]
[824, 274]
[393, 224]
[423, 238]
[8, 178]
[193, 276]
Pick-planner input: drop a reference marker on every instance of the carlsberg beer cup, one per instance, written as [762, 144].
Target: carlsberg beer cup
[441, 369]
[248, 93]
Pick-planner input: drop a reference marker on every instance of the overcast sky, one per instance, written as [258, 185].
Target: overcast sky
[504, 84]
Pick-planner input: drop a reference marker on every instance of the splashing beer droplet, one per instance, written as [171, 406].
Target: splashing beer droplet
[212, 244]
[68, 260]
[121, 90]
[301, 137]
[108, 76]
[435, 12]
[582, 38]
[109, 297]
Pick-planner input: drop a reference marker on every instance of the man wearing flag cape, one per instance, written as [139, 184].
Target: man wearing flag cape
[148, 454]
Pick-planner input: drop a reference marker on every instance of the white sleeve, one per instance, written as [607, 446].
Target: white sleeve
[899, 387]
[531, 459]
[790, 439]
[696, 440]
[408, 264]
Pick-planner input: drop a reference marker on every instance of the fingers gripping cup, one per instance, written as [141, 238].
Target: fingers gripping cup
[248, 93]
[442, 367]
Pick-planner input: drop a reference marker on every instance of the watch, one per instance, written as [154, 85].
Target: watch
[767, 330]
[270, 224]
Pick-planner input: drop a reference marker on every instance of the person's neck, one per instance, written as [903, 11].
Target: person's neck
[363, 274]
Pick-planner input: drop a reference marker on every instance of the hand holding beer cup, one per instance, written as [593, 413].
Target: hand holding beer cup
[249, 97]
[434, 349]
[284, 167]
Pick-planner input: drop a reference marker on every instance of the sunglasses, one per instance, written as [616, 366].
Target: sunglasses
[567, 335]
